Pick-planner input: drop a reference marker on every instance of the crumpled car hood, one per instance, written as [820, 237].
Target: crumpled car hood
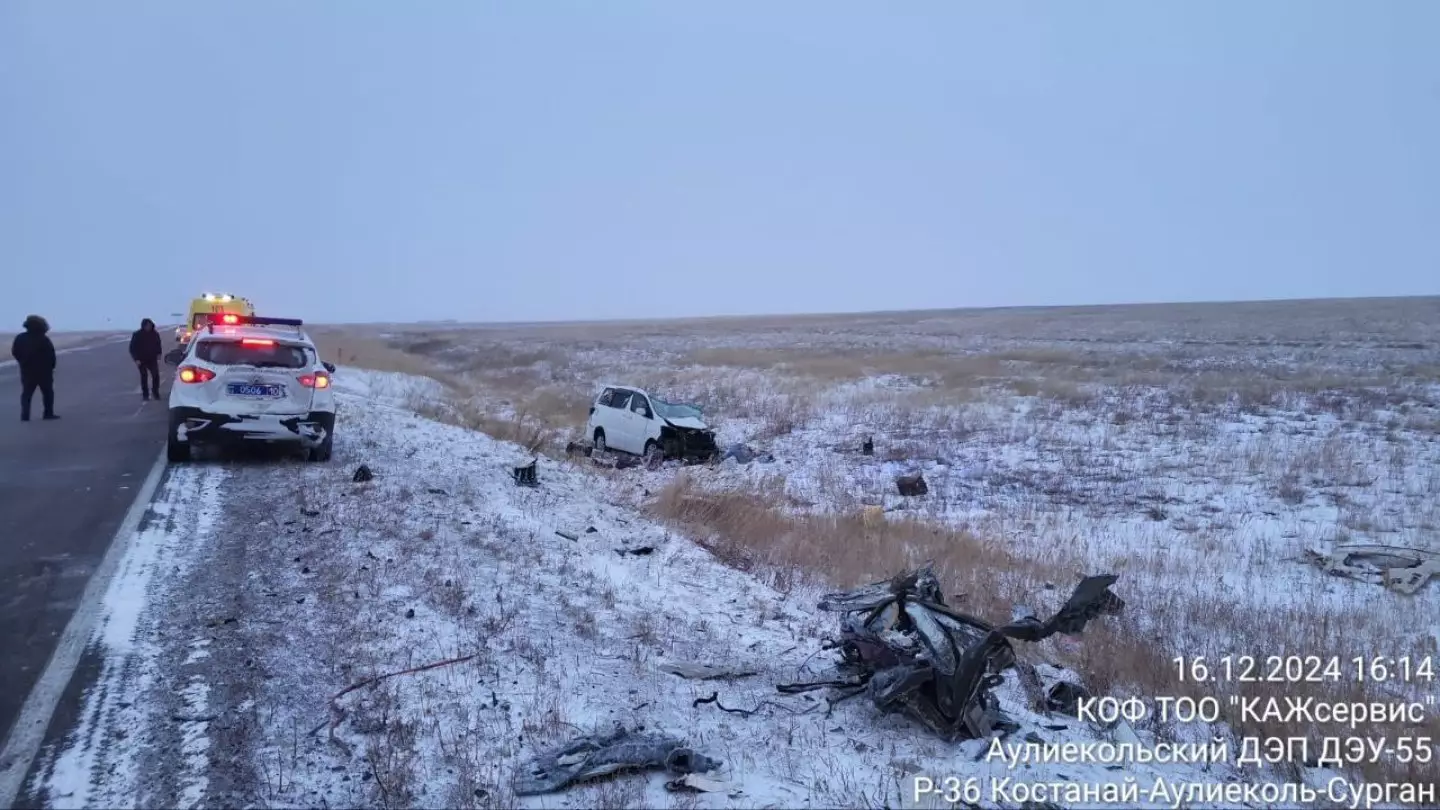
[688, 422]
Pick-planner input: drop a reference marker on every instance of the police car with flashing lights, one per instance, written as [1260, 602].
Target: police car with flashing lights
[243, 378]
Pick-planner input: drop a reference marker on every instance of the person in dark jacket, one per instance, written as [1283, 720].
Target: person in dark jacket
[145, 350]
[35, 355]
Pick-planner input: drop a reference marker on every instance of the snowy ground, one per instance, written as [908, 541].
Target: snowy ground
[1193, 453]
[257, 590]
[1196, 450]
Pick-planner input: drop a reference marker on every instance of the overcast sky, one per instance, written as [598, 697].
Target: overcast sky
[531, 160]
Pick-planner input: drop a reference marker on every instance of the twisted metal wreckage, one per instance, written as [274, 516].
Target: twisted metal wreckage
[901, 643]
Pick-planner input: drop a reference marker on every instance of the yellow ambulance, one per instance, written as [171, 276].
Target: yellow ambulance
[209, 304]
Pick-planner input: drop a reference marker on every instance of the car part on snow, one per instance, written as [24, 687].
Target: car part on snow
[599, 755]
[912, 653]
[868, 448]
[579, 449]
[1064, 697]
[706, 672]
[1400, 569]
[695, 783]
[911, 485]
[362, 474]
[744, 454]
[525, 476]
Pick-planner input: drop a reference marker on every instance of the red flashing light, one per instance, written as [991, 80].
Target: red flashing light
[192, 374]
[320, 380]
[256, 342]
[230, 318]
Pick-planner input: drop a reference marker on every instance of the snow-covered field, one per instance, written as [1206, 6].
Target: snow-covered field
[1195, 452]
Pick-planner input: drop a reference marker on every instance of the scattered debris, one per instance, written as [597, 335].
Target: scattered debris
[598, 755]
[911, 652]
[626, 462]
[1064, 697]
[567, 535]
[638, 551]
[436, 491]
[591, 530]
[579, 449]
[715, 698]
[337, 714]
[1400, 569]
[362, 474]
[745, 454]
[525, 476]
[911, 485]
[695, 783]
[706, 672]
[868, 447]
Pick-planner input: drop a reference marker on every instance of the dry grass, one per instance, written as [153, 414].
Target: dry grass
[753, 531]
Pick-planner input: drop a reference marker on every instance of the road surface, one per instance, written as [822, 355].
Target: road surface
[65, 488]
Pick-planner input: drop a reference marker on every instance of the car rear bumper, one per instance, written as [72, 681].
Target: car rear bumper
[203, 427]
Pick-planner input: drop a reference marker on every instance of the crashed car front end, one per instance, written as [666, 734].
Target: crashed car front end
[691, 445]
[684, 435]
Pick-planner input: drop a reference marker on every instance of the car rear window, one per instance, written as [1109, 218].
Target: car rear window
[260, 355]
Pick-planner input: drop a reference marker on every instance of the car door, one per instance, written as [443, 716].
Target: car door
[633, 422]
[645, 423]
[615, 420]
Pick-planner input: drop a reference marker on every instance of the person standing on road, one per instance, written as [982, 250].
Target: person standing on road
[145, 350]
[35, 355]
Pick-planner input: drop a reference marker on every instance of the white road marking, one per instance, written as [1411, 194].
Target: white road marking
[29, 732]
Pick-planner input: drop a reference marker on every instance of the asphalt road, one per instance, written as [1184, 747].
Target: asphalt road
[65, 487]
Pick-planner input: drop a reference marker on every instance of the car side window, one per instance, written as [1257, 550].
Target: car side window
[620, 399]
[605, 397]
[640, 405]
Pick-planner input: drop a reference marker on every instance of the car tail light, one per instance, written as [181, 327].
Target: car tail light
[192, 374]
[256, 342]
[318, 380]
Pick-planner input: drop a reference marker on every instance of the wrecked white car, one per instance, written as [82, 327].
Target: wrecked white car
[630, 420]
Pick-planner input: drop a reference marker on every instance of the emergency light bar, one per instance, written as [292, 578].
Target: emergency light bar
[214, 319]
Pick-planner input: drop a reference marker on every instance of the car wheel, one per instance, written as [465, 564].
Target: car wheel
[599, 440]
[321, 452]
[176, 451]
[652, 455]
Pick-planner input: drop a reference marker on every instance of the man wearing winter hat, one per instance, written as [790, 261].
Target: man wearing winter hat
[35, 355]
[145, 350]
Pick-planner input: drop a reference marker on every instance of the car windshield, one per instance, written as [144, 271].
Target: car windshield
[676, 410]
[259, 355]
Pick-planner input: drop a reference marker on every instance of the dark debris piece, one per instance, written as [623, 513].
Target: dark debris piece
[599, 755]
[912, 653]
[911, 486]
[525, 476]
[362, 474]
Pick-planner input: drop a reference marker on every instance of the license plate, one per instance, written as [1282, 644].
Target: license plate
[256, 391]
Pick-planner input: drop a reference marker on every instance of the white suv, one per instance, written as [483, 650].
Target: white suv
[259, 380]
[631, 420]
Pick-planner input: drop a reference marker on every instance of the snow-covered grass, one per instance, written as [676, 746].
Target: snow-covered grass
[442, 558]
[1196, 450]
